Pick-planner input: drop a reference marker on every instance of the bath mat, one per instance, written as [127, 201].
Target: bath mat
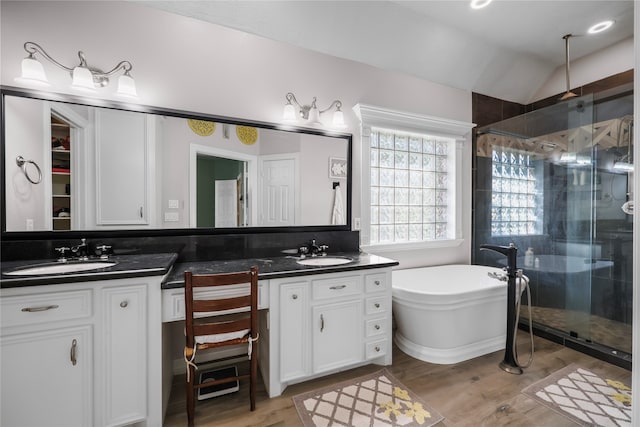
[584, 397]
[377, 399]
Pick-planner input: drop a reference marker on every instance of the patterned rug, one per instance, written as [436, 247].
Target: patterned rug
[377, 399]
[584, 397]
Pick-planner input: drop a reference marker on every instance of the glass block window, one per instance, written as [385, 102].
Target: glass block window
[514, 194]
[412, 183]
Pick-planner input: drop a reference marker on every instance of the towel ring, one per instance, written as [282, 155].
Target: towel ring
[22, 163]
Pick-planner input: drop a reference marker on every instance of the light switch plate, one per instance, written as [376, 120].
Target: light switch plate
[171, 217]
[174, 204]
[356, 223]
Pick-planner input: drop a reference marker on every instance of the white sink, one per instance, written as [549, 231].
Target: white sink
[59, 268]
[324, 261]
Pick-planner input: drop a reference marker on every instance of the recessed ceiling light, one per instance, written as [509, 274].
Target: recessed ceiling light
[600, 27]
[479, 4]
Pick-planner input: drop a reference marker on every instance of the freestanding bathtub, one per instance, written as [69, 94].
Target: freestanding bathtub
[450, 313]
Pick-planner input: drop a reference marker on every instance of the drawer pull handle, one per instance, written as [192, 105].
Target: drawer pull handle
[124, 304]
[41, 308]
[377, 349]
[377, 282]
[377, 327]
[376, 305]
[294, 296]
[335, 288]
[321, 323]
[74, 346]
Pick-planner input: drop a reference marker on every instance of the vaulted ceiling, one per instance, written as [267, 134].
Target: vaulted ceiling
[506, 50]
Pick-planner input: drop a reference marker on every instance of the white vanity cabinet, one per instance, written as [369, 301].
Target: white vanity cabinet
[82, 354]
[320, 324]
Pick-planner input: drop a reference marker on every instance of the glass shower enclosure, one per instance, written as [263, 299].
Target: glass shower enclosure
[555, 182]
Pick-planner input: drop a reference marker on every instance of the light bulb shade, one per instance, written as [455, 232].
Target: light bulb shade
[83, 79]
[623, 166]
[126, 86]
[33, 72]
[289, 113]
[568, 157]
[314, 116]
[338, 119]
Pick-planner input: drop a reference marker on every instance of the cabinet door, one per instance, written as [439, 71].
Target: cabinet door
[51, 368]
[294, 331]
[122, 144]
[337, 335]
[125, 354]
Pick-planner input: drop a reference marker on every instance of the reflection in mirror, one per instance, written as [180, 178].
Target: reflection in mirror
[109, 169]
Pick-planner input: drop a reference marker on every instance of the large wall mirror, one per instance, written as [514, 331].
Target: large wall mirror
[71, 165]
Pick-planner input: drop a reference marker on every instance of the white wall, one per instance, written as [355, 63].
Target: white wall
[25, 132]
[187, 64]
[590, 68]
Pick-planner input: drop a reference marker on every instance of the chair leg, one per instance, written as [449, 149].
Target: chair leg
[191, 402]
[252, 379]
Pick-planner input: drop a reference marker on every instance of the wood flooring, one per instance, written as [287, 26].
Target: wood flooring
[472, 393]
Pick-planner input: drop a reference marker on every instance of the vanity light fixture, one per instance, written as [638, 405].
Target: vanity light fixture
[311, 113]
[83, 76]
[600, 27]
[479, 4]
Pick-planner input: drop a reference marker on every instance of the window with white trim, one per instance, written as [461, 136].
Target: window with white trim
[410, 187]
[411, 193]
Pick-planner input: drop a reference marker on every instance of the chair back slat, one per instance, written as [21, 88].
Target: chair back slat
[200, 306]
[221, 327]
[200, 280]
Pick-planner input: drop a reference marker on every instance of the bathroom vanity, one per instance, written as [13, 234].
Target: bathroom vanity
[313, 320]
[84, 349]
[89, 349]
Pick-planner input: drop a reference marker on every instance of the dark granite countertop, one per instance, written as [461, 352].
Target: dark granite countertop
[127, 266]
[273, 268]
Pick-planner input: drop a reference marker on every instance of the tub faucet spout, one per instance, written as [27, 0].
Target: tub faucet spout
[509, 251]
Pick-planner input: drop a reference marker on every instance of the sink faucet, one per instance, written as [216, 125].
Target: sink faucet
[104, 251]
[81, 251]
[63, 251]
[312, 249]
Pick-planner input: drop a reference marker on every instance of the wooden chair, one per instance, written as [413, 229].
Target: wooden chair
[236, 322]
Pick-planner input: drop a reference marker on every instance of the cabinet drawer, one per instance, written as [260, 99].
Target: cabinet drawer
[377, 305]
[376, 282]
[376, 349]
[24, 310]
[376, 327]
[336, 287]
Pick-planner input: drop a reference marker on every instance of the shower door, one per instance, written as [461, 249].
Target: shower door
[535, 187]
